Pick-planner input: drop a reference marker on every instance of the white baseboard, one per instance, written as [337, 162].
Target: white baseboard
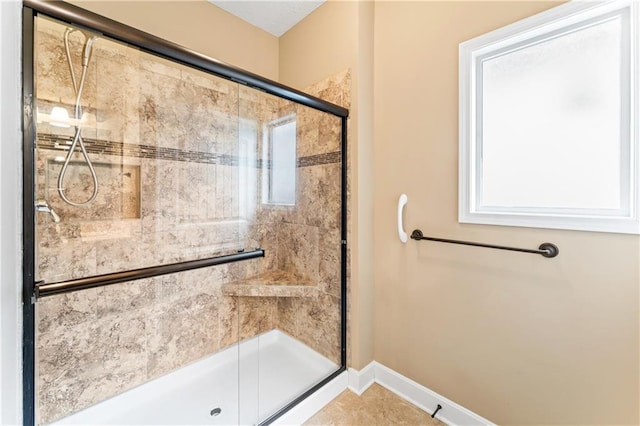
[314, 403]
[359, 381]
[451, 413]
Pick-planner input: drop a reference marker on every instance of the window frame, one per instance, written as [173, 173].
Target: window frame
[267, 155]
[530, 31]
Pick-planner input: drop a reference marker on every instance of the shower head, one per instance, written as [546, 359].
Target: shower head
[89, 38]
[78, 86]
[86, 53]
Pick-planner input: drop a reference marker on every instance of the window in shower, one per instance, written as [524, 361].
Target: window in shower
[548, 137]
[280, 155]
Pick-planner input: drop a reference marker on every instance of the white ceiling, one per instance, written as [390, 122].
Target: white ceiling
[274, 16]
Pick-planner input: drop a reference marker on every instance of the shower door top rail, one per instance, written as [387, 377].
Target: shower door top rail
[150, 43]
[43, 289]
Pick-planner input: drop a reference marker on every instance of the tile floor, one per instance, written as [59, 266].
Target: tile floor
[376, 406]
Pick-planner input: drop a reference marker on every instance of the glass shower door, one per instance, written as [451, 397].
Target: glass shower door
[187, 239]
[161, 140]
[289, 302]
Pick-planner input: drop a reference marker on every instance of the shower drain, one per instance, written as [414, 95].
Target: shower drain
[216, 411]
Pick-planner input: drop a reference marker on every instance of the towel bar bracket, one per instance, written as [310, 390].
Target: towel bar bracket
[549, 250]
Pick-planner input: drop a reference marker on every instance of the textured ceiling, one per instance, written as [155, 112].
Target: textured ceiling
[273, 16]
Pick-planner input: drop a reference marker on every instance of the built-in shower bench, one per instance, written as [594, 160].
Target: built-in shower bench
[272, 284]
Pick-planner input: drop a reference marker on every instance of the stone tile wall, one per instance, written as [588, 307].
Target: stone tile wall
[309, 237]
[180, 178]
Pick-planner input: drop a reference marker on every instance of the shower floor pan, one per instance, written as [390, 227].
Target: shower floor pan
[243, 384]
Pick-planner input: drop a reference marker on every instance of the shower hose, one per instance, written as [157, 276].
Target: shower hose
[77, 115]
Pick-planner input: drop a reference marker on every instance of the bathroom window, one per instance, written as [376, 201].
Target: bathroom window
[281, 162]
[548, 133]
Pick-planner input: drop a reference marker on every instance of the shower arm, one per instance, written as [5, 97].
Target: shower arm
[43, 206]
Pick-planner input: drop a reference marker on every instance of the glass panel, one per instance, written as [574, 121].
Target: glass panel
[96, 347]
[289, 302]
[163, 141]
[551, 122]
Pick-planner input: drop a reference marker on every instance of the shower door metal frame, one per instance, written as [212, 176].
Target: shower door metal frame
[151, 44]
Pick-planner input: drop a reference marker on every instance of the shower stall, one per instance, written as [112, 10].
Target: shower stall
[184, 230]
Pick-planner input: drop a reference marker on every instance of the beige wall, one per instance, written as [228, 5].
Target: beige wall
[198, 25]
[324, 43]
[338, 36]
[519, 339]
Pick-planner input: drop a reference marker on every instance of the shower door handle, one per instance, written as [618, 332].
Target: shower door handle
[401, 203]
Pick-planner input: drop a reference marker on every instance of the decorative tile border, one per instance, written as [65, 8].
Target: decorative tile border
[100, 146]
[315, 160]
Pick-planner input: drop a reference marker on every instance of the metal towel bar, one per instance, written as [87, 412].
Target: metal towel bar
[47, 289]
[545, 249]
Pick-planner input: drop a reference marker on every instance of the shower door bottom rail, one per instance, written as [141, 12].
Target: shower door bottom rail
[43, 289]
